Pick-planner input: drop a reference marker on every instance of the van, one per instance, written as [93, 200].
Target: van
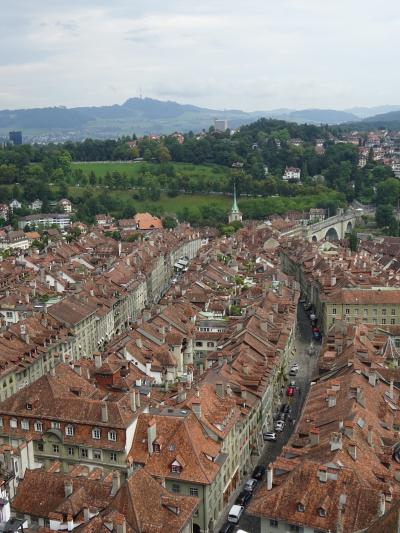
[235, 513]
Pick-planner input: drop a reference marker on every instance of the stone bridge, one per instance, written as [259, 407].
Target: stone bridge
[331, 229]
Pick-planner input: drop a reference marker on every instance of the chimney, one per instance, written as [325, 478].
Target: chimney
[138, 399]
[139, 343]
[270, 476]
[133, 400]
[382, 504]
[335, 441]
[370, 438]
[119, 248]
[263, 326]
[121, 524]
[314, 437]
[97, 360]
[331, 398]
[104, 412]
[86, 514]
[68, 487]
[391, 389]
[196, 407]
[352, 449]
[116, 483]
[372, 378]
[333, 281]
[219, 389]
[151, 435]
[322, 474]
[245, 370]
[70, 522]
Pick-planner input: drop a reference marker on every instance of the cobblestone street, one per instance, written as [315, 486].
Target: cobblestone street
[307, 365]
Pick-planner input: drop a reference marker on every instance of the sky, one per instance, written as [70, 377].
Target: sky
[249, 55]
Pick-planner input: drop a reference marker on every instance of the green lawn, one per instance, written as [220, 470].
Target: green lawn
[130, 168]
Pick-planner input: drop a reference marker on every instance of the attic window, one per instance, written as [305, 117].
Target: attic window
[29, 406]
[176, 468]
[300, 507]
[321, 512]
[156, 447]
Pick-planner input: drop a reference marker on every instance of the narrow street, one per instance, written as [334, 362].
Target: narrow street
[307, 364]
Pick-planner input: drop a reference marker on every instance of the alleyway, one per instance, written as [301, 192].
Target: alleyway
[307, 364]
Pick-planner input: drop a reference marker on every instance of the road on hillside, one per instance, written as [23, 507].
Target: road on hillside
[307, 365]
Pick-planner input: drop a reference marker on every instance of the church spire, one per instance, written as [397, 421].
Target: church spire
[235, 214]
[235, 208]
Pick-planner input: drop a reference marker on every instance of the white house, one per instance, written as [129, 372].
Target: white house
[66, 205]
[36, 205]
[14, 204]
[292, 173]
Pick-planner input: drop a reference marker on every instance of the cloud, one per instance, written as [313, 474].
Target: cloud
[257, 54]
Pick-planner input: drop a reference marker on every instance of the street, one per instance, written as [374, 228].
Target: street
[307, 364]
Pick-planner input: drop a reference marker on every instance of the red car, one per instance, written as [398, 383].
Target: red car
[290, 391]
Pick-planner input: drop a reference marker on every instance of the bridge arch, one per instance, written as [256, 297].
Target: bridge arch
[332, 234]
[314, 238]
[349, 227]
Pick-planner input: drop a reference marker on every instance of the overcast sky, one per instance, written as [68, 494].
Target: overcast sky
[250, 54]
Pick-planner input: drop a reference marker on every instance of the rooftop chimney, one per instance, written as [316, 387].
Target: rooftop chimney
[352, 449]
[391, 389]
[196, 407]
[97, 360]
[322, 474]
[86, 514]
[133, 400]
[336, 441]
[151, 435]
[138, 399]
[314, 437]
[370, 438]
[139, 343]
[104, 412]
[68, 488]
[219, 389]
[121, 524]
[70, 522]
[382, 504]
[372, 378]
[331, 398]
[270, 476]
[116, 483]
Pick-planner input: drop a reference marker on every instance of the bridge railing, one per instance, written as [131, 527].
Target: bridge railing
[330, 221]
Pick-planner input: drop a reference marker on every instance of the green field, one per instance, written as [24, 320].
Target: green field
[131, 169]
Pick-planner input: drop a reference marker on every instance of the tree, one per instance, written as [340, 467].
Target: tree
[169, 222]
[353, 241]
[384, 215]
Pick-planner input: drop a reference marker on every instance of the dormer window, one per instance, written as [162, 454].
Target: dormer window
[321, 512]
[29, 407]
[300, 507]
[176, 467]
[156, 447]
[96, 433]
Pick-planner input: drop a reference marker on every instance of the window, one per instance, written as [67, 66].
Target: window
[366, 311]
[175, 468]
[294, 528]
[210, 344]
[199, 343]
[194, 491]
[383, 320]
[273, 523]
[384, 312]
[56, 448]
[13, 423]
[321, 511]
[175, 488]
[113, 457]
[156, 447]
[29, 407]
[69, 430]
[374, 321]
[393, 321]
[375, 312]
[1, 421]
[334, 311]
[347, 311]
[38, 426]
[96, 433]
[84, 453]
[300, 507]
[97, 455]
[355, 312]
[9, 314]
[55, 425]
[40, 446]
[112, 435]
[393, 311]
[71, 451]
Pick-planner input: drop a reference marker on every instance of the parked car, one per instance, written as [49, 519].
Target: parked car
[250, 485]
[228, 527]
[258, 472]
[279, 425]
[283, 407]
[282, 416]
[269, 435]
[235, 513]
[288, 409]
[295, 366]
[317, 335]
[290, 391]
[292, 383]
[243, 498]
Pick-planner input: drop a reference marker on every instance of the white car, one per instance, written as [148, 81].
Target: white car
[235, 513]
[269, 435]
[279, 425]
